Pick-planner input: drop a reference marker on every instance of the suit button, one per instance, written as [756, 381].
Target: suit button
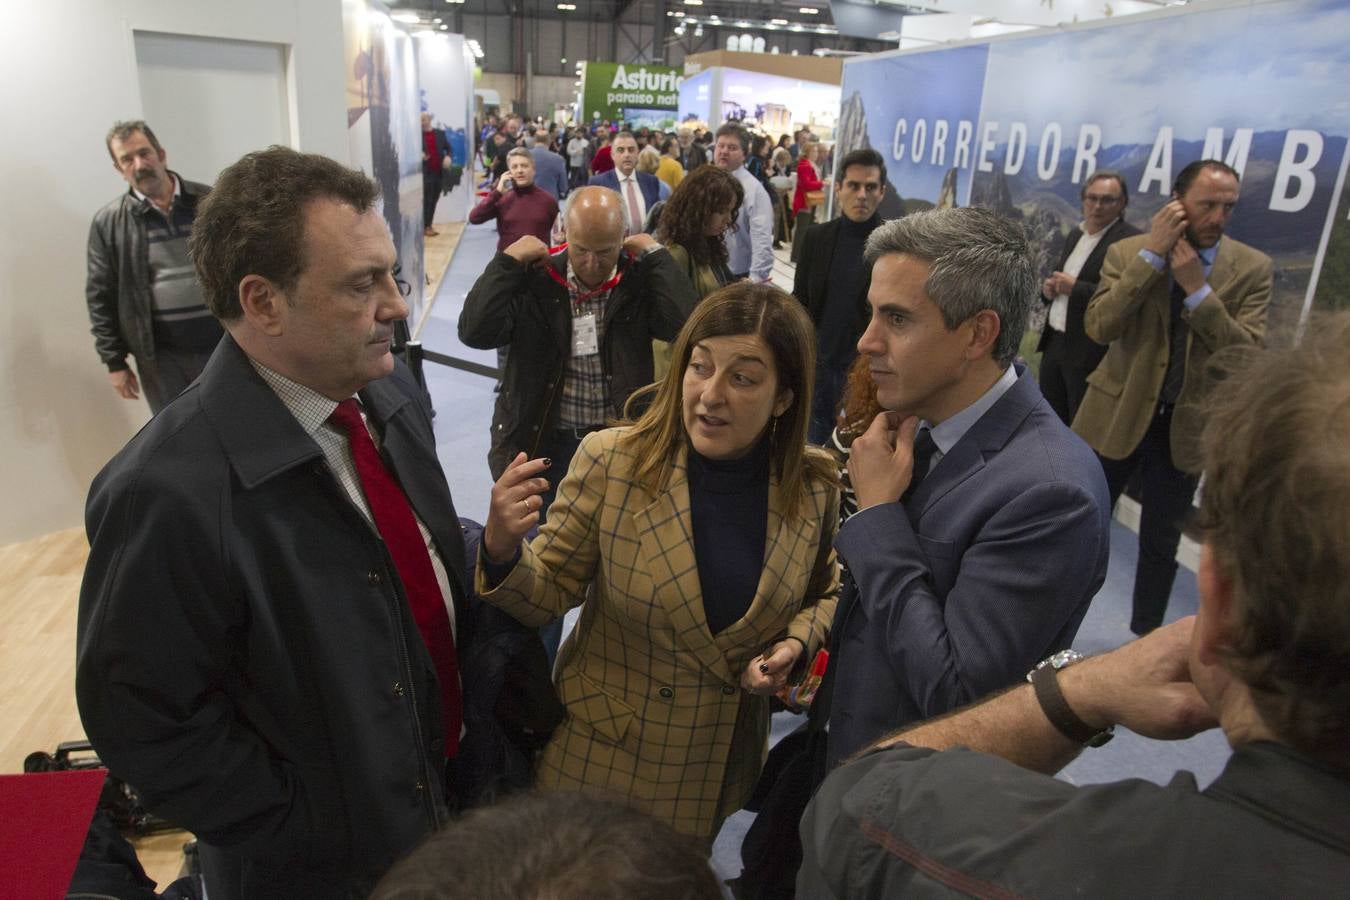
[666, 693]
[373, 577]
[728, 690]
[419, 787]
[398, 689]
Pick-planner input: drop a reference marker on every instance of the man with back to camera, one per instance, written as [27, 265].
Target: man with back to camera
[640, 191]
[750, 243]
[983, 525]
[1167, 300]
[549, 168]
[957, 804]
[832, 282]
[143, 297]
[267, 629]
[1068, 355]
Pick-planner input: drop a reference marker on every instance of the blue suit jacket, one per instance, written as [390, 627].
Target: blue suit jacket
[985, 571]
[650, 185]
[550, 172]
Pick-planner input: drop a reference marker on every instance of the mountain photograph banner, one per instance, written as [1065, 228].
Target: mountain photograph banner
[1017, 125]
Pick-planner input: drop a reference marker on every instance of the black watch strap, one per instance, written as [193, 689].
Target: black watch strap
[1045, 681]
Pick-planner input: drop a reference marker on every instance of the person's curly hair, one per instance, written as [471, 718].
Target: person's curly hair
[705, 192]
[859, 405]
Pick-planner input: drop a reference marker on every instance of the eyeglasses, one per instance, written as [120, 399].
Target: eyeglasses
[404, 288]
[1101, 199]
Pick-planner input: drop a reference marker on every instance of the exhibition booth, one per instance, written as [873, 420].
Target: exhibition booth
[644, 96]
[770, 92]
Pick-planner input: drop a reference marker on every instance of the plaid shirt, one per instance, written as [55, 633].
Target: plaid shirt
[585, 393]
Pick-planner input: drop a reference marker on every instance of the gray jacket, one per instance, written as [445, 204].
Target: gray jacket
[117, 288]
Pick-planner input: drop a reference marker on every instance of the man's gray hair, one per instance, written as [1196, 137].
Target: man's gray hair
[977, 260]
[519, 151]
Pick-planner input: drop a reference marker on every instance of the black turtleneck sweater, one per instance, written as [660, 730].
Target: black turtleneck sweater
[729, 503]
[838, 332]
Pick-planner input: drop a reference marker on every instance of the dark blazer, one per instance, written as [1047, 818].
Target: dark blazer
[811, 284]
[649, 184]
[246, 657]
[1080, 351]
[986, 570]
[524, 308]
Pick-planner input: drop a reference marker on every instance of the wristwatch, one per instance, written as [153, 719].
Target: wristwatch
[1045, 682]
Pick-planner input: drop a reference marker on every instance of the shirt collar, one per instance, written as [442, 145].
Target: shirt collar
[947, 434]
[576, 287]
[177, 192]
[1082, 226]
[310, 408]
[1208, 254]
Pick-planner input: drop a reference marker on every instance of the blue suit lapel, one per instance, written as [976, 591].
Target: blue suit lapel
[985, 438]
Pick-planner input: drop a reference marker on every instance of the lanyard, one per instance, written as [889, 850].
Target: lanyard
[582, 297]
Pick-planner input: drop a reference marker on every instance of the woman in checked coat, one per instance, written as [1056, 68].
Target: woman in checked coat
[700, 538]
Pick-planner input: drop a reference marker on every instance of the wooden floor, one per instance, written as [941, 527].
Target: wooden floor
[438, 252]
[39, 592]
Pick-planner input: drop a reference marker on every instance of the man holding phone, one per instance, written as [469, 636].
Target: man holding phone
[1167, 301]
[519, 206]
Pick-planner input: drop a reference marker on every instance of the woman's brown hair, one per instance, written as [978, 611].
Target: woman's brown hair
[704, 193]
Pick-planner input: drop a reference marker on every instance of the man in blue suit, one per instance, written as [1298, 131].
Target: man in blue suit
[983, 524]
[550, 169]
[639, 191]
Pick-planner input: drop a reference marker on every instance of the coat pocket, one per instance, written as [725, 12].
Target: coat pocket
[589, 702]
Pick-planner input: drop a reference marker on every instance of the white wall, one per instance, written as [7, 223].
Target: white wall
[70, 71]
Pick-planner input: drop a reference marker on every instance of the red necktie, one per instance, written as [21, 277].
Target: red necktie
[634, 217]
[397, 525]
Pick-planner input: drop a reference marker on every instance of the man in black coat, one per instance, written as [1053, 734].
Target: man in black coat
[579, 323]
[273, 597]
[1068, 355]
[832, 281]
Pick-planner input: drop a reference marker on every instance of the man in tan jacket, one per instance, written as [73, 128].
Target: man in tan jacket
[1167, 300]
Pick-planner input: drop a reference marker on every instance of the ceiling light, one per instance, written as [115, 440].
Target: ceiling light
[409, 18]
[436, 21]
[693, 2]
[778, 21]
[567, 7]
[679, 14]
[796, 26]
[445, 28]
[809, 11]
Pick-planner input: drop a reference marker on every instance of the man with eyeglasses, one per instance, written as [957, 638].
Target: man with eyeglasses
[274, 597]
[1068, 355]
[832, 281]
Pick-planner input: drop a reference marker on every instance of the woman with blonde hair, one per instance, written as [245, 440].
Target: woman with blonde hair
[699, 536]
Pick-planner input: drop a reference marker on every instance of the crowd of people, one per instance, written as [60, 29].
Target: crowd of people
[291, 643]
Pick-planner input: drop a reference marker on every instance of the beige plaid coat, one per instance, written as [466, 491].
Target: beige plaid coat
[655, 708]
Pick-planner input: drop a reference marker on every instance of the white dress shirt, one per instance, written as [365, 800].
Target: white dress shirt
[1058, 318]
[750, 244]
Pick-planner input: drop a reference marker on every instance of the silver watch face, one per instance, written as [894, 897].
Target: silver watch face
[1063, 658]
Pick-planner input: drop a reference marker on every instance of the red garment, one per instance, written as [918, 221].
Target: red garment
[396, 523]
[807, 180]
[519, 211]
[603, 160]
[433, 161]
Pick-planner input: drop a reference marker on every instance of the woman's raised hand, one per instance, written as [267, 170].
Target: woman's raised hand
[514, 508]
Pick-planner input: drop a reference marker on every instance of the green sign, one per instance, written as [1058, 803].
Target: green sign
[619, 91]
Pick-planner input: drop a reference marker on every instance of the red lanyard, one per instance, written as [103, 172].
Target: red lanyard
[581, 297]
